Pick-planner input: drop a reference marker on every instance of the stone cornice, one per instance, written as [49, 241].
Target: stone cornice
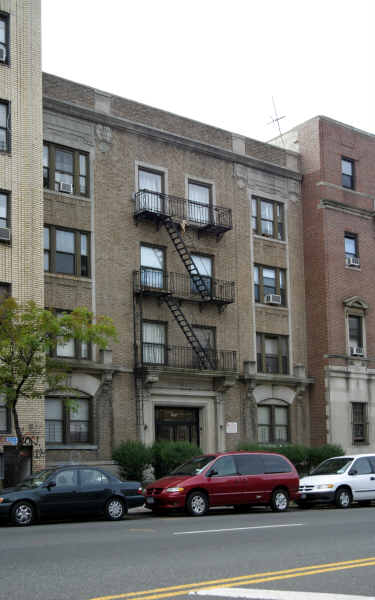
[88, 114]
[353, 210]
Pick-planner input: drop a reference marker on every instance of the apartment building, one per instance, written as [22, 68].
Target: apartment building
[190, 238]
[21, 199]
[338, 198]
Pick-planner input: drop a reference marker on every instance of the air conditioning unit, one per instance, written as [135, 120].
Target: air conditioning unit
[3, 53]
[356, 351]
[272, 299]
[353, 261]
[67, 188]
[4, 234]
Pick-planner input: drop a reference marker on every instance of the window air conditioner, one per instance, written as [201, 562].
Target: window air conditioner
[4, 234]
[272, 299]
[3, 53]
[356, 351]
[353, 261]
[67, 188]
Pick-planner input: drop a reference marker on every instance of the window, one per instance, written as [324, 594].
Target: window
[224, 467]
[355, 334]
[66, 425]
[154, 343]
[4, 126]
[347, 173]
[272, 353]
[207, 339]
[249, 464]
[152, 267]
[275, 464]
[269, 280]
[273, 424]
[359, 422]
[92, 478]
[66, 252]
[268, 218]
[65, 170]
[4, 38]
[152, 183]
[4, 417]
[362, 466]
[4, 209]
[204, 266]
[72, 348]
[200, 199]
[66, 478]
[351, 245]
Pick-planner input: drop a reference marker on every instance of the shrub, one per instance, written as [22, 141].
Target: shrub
[168, 455]
[304, 458]
[133, 457]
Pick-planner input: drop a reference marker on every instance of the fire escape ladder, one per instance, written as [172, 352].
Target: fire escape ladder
[186, 258]
[188, 331]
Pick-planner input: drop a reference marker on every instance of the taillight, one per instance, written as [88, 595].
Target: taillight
[140, 491]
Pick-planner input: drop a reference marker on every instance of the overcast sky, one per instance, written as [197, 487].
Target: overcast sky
[222, 61]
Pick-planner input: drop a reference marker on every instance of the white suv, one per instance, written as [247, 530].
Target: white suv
[340, 480]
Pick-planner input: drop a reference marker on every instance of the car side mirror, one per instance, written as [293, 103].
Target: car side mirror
[353, 472]
[49, 484]
[212, 473]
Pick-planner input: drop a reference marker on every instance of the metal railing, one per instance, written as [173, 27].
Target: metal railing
[179, 285]
[181, 209]
[185, 358]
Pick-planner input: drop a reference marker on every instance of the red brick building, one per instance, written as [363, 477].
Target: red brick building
[338, 193]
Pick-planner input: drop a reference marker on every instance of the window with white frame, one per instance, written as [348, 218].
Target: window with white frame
[152, 266]
[200, 199]
[273, 423]
[204, 266]
[154, 343]
[151, 183]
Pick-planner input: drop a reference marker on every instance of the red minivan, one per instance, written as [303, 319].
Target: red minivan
[226, 479]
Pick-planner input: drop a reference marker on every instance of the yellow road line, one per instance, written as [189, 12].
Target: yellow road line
[179, 590]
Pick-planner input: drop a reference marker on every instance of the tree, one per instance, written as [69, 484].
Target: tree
[29, 335]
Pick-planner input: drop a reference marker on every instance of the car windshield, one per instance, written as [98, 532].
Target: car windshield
[193, 466]
[36, 480]
[333, 466]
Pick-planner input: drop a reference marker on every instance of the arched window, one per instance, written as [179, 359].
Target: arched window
[273, 421]
[68, 424]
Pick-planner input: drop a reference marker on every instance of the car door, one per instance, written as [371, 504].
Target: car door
[60, 497]
[362, 479]
[251, 476]
[94, 490]
[223, 482]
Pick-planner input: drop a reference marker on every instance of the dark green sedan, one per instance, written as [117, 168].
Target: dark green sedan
[69, 491]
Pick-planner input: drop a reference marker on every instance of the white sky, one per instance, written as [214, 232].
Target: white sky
[222, 61]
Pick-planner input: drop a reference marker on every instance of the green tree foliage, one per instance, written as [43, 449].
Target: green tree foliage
[28, 336]
[168, 455]
[304, 458]
[133, 457]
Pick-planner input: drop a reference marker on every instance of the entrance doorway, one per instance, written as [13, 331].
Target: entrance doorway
[176, 424]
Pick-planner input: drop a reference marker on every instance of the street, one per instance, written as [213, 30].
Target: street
[325, 551]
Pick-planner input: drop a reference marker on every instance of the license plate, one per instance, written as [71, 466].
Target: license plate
[150, 500]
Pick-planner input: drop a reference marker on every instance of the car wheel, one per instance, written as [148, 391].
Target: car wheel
[343, 498]
[279, 501]
[197, 504]
[23, 514]
[115, 509]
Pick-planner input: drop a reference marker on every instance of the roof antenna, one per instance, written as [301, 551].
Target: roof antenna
[275, 120]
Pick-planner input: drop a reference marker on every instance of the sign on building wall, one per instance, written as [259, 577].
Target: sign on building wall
[231, 427]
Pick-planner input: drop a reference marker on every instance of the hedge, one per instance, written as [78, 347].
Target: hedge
[166, 456]
[133, 457]
[304, 458]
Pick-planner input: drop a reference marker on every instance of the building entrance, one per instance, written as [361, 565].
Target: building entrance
[177, 424]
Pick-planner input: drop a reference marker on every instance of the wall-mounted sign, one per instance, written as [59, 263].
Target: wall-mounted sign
[231, 427]
[11, 440]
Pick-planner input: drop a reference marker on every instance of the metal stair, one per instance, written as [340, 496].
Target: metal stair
[188, 331]
[186, 258]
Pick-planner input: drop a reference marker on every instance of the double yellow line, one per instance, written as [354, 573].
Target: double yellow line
[180, 590]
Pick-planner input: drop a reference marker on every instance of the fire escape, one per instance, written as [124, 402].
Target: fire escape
[174, 214]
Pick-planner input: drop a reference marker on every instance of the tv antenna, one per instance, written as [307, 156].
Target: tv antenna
[275, 120]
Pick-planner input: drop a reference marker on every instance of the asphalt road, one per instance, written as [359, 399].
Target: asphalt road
[293, 551]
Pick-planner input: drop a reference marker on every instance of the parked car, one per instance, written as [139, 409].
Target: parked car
[231, 478]
[68, 491]
[340, 480]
